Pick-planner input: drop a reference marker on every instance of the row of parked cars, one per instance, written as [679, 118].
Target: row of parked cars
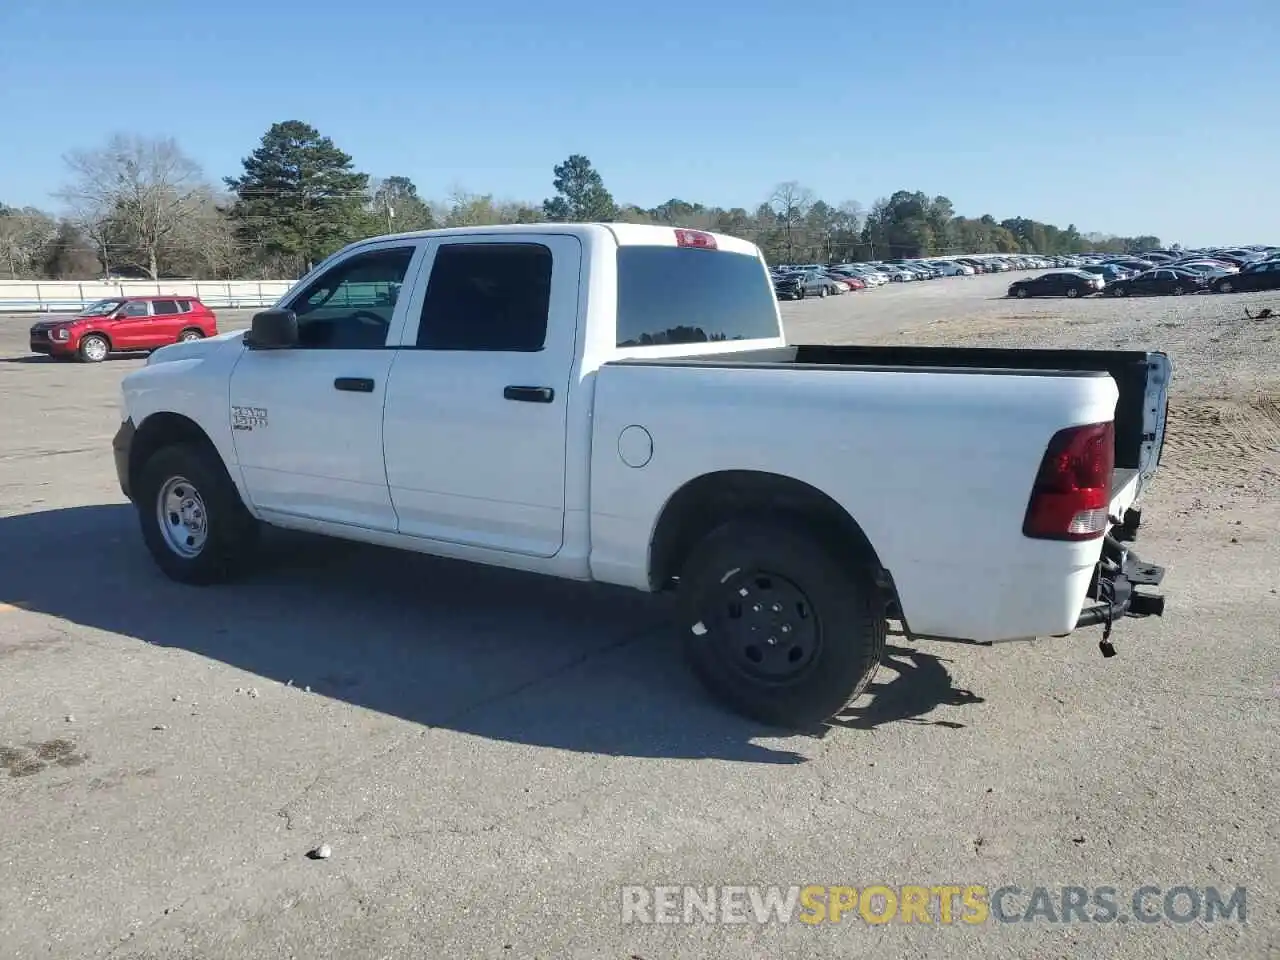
[1160, 273]
[797, 281]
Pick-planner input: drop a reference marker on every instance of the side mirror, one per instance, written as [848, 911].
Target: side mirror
[272, 330]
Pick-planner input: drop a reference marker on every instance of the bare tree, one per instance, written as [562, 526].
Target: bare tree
[790, 202]
[149, 189]
[24, 236]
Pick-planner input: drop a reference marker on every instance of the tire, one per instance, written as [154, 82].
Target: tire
[1072, 292]
[828, 607]
[93, 348]
[194, 474]
[186, 336]
[822, 293]
[1021, 293]
[1120, 292]
[800, 294]
[1178, 291]
[1226, 286]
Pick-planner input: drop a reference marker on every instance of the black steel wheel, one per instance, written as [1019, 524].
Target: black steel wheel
[778, 624]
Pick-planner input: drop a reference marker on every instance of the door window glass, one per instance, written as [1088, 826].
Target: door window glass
[350, 305]
[487, 296]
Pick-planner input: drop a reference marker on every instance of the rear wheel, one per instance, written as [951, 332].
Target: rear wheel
[1119, 291]
[193, 521]
[1226, 286]
[94, 348]
[822, 293]
[190, 334]
[1178, 291]
[777, 625]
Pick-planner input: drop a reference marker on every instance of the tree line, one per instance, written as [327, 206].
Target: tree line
[140, 207]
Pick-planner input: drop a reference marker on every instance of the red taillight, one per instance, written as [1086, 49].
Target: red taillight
[1072, 492]
[695, 238]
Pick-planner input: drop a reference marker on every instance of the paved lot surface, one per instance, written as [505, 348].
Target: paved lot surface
[492, 756]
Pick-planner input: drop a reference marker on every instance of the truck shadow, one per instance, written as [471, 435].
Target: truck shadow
[498, 654]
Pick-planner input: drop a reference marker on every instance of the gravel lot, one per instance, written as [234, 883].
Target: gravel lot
[492, 756]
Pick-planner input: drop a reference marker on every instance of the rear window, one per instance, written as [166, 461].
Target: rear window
[679, 295]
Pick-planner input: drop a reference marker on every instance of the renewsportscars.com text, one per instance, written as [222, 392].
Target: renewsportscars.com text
[942, 904]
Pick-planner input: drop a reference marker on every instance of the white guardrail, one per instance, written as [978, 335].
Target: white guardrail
[63, 296]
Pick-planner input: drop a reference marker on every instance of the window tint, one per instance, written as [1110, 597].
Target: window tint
[350, 305]
[164, 308]
[681, 295]
[135, 308]
[184, 306]
[487, 296]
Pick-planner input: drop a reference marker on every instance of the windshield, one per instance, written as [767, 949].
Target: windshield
[101, 308]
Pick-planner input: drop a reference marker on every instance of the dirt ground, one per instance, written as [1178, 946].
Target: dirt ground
[492, 757]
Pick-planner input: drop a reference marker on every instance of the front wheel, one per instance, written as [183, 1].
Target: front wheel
[1178, 291]
[1072, 292]
[1225, 286]
[777, 625]
[193, 521]
[822, 293]
[1021, 293]
[93, 348]
[1120, 292]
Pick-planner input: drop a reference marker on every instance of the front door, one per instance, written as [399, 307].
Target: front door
[477, 399]
[129, 329]
[307, 421]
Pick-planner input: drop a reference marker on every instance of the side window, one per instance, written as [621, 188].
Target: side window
[487, 296]
[136, 308]
[184, 306]
[164, 308]
[350, 305]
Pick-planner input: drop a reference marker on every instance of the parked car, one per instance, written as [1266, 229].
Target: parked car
[636, 419]
[1253, 276]
[123, 325]
[1057, 283]
[1107, 271]
[1162, 281]
[803, 283]
[850, 281]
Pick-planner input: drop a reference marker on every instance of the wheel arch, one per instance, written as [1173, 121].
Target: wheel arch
[164, 429]
[712, 499]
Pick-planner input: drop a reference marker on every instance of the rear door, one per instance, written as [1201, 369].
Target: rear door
[166, 323]
[477, 397]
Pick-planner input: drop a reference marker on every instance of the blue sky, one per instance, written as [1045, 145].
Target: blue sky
[1123, 117]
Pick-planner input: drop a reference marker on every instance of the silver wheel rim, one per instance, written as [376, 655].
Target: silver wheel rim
[95, 348]
[184, 522]
[190, 336]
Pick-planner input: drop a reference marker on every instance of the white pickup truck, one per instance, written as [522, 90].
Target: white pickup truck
[619, 403]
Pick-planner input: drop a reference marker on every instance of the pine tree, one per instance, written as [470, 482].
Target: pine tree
[581, 195]
[299, 196]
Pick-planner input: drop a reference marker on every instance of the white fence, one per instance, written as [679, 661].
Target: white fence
[61, 296]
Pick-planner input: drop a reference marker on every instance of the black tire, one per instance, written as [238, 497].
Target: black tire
[190, 334]
[1226, 286]
[800, 294]
[822, 293]
[1120, 291]
[839, 627]
[88, 352]
[1072, 292]
[232, 532]
[1021, 293]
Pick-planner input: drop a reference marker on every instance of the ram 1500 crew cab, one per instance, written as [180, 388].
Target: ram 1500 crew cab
[619, 403]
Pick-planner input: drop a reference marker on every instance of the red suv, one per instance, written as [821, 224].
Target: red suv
[124, 324]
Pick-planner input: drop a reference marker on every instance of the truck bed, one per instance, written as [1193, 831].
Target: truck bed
[1136, 422]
